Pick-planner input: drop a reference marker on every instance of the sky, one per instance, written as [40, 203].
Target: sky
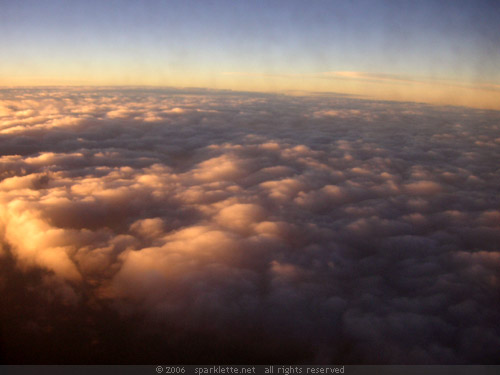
[443, 52]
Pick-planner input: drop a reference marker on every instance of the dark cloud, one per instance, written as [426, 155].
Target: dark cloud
[200, 226]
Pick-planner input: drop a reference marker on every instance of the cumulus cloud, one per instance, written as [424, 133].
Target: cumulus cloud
[272, 228]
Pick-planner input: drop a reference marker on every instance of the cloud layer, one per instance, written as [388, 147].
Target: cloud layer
[225, 227]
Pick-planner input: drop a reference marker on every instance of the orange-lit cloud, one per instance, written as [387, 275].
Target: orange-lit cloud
[381, 86]
[219, 214]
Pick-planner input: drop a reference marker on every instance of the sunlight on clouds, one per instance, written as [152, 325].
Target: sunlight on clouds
[37, 243]
[319, 215]
[376, 86]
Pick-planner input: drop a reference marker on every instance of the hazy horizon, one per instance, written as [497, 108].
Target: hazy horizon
[441, 52]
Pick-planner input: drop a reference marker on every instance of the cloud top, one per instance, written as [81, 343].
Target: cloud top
[320, 229]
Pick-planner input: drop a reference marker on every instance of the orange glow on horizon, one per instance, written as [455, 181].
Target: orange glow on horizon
[365, 85]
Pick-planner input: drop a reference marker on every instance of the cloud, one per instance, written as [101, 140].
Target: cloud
[280, 229]
[370, 76]
[404, 79]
